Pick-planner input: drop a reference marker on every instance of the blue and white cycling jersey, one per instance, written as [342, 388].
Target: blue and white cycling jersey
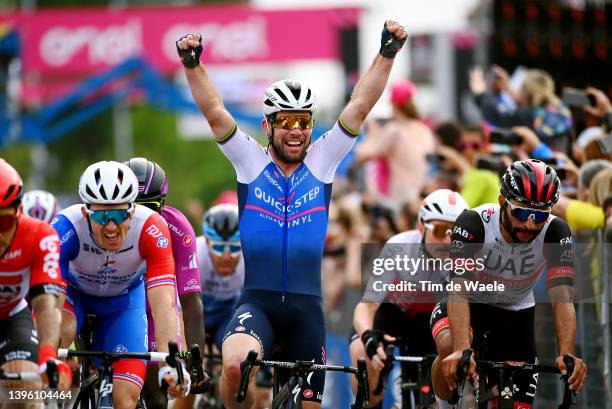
[283, 221]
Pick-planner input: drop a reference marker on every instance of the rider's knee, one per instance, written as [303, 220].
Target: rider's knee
[67, 329]
[125, 394]
[125, 401]
[231, 368]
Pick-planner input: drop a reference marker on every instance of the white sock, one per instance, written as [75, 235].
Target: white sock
[442, 404]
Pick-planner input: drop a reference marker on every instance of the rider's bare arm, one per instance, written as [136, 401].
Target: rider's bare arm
[163, 308]
[204, 92]
[565, 327]
[48, 319]
[193, 315]
[371, 85]
[363, 318]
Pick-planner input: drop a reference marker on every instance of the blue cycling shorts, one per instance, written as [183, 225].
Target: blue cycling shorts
[288, 330]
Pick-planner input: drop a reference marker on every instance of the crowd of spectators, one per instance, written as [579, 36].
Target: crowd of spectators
[402, 159]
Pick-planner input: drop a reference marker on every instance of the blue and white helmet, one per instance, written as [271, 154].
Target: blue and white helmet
[288, 95]
[108, 182]
[221, 223]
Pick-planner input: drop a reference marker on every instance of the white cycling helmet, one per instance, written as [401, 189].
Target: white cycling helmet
[40, 205]
[442, 204]
[108, 182]
[288, 95]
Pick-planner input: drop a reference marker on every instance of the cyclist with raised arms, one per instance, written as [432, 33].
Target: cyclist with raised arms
[40, 205]
[516, 241]
[382, 315]
[284, 193]
[152, 193]
[221, 268]
[29, 270]
[105, 243]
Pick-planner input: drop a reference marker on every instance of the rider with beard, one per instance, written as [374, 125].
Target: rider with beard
[284, 195]
[514, 242]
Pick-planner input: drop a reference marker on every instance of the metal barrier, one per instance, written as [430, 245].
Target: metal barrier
[593, 337]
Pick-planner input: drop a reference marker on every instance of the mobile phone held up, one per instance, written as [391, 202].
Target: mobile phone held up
[577, 98]
[501, 136]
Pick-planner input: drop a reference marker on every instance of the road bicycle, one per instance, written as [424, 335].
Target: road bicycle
[289, 396]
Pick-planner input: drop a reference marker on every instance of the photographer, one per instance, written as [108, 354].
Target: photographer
[538, 106]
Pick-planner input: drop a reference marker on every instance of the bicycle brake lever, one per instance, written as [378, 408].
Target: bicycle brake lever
[462, 371]
[569, 396]
[245, 370]
[52, 374]
[201, 380]
[382, 377]
[173, 360]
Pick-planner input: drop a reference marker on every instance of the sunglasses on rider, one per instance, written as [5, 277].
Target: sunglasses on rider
[440, 231]
[7, 221]
[218, 248]
[523, 214]
[155, 206]
[105, 216]
[289, 122]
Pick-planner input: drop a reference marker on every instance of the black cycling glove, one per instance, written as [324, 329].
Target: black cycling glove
[371, 339]
[389, 45]
[190, 57]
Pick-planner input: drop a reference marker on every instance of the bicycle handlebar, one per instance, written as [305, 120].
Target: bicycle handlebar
[569, 396]
[302, 367]
[172, 357]
[51, 372]
[113, 356]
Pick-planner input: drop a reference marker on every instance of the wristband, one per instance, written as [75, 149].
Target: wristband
[46, 352]
[389, 45]
[190, 57]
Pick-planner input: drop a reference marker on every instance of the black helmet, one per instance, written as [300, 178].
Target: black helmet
[221, 223]
[152, 181]
[531, 182]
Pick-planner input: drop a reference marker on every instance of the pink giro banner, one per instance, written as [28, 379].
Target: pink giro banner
[80, 41]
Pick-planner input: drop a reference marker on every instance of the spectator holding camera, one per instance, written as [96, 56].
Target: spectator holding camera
[602, 108]
[537, 106]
